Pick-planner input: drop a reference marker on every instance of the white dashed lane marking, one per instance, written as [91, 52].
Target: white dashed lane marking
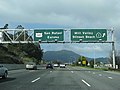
[35, 80]
[50, 71]
[100, 74]
[110, 77]
[86, 83]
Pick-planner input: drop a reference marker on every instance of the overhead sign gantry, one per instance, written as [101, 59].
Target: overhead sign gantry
[57, 35]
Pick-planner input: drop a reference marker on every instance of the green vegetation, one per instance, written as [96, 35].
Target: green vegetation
[92, 63]
[81, 61]
[20, 53]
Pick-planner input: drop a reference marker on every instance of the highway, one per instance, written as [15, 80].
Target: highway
[69, 78]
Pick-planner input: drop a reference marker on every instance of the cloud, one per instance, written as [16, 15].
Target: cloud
[77, 13]
[65, 13]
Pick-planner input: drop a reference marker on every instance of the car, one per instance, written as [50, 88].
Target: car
[3, 72]
[56, 65]
[49, 66]
[31, 66]
[62, 65]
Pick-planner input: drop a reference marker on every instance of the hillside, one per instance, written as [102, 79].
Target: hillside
[7, 56]
[104, 60]
[67, 56]
[19, 53]
[63, 56]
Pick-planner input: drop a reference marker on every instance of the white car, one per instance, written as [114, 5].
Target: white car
[31, 65]
[3, 72]
[56, 65]
[62, 65]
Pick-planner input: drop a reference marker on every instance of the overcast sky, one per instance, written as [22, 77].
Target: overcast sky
[65, 14]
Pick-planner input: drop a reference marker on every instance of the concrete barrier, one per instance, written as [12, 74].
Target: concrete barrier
[14, 66]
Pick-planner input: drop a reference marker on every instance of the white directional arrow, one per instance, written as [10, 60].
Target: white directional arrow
[103, 35]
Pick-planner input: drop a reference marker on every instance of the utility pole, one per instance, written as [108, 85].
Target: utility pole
[113, 49]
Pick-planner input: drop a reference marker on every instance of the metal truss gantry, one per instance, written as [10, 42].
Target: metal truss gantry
[16, 36]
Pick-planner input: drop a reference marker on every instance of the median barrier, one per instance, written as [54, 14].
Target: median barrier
[14, 66]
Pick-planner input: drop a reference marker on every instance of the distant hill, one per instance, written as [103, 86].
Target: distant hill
[63, 56]
[66, 56]
[102, 59]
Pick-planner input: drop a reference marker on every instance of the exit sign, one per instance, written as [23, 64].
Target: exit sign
[88, 35]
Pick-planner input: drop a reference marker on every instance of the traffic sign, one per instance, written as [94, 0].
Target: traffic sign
[48, 35]
[88, 35]
[84, 62]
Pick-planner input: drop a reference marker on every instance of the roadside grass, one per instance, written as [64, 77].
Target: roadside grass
[100, 68]
[87, 67]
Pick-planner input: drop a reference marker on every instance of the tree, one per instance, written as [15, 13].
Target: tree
[82, 61]
[19, 27]
[91, 63]
[5, 27]
[20, 50]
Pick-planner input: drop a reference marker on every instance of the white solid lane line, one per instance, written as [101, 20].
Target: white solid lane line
[35, 80]
[32, 71]
[86, 83]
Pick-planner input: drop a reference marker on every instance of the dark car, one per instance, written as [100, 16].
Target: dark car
[49, 66]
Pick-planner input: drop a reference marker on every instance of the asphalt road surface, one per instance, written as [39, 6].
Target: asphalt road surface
[69, 78]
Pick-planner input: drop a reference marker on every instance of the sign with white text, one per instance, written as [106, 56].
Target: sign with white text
[49, 35]
[88, 35]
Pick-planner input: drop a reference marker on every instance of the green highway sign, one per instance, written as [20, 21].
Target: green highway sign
[48, 35]
[88, 34]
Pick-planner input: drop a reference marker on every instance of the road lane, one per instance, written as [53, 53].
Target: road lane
[69, 78]
[60, 79]
[99, 80]
[21, 78]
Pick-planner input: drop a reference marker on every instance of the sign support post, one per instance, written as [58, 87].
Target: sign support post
[113, 50]
[1, 37]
